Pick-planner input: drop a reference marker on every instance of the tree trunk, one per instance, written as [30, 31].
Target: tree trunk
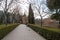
[59, 24]
[58, 18]
[41, 22]
[5, 18]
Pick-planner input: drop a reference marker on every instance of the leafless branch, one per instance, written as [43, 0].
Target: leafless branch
[10, 3]
[38, 9]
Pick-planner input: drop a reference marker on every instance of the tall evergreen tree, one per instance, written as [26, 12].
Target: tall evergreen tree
[54, 5]
[31, 15]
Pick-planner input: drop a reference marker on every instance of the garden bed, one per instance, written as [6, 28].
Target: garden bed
[48, 33]
[5, 29]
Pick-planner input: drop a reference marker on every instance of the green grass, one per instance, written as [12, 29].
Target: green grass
[4, 25]
[5, 29]
[48, 33]
[47, 28]
[52, 29]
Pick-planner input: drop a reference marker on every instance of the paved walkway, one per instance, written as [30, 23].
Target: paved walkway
[22, 32]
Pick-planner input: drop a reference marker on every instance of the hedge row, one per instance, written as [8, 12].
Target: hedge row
[49, 34]
[5, 29]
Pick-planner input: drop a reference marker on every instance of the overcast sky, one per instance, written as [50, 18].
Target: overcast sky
[24, 4]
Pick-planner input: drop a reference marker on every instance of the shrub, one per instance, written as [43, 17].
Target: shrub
[48, 33]
[5, 29]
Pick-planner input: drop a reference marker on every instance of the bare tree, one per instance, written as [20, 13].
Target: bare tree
[6, 10]
[38, 7]
[16, 14]
[43, 14]
[6, 7]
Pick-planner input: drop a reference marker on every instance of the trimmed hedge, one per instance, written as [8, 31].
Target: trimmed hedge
[5, 29]
[48, 33]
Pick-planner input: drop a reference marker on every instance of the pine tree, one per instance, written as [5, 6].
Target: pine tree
[31, 15]
[54, 5]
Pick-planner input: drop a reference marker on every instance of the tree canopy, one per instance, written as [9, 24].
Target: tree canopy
[55, 16]
[31, 15]
[53, 4]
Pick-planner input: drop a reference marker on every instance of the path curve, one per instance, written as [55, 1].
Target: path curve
[22, 32]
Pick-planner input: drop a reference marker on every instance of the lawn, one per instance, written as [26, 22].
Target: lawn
[5, 29]
[46, 32]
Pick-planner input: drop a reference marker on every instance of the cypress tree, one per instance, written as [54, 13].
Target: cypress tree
[31, 15]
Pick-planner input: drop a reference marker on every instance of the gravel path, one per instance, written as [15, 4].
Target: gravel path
[22, 32]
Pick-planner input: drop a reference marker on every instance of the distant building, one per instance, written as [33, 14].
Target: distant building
[24, 19]
[50, 23]
[37, 21]
[47, 22]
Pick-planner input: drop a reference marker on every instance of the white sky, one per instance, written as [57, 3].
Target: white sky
[24, 4]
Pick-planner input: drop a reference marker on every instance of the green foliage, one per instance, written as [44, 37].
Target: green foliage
[55, 16]
[31, 15]
[10, 18]
[53, 4]
[48, 33]
[5, 29]
[1, 16]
